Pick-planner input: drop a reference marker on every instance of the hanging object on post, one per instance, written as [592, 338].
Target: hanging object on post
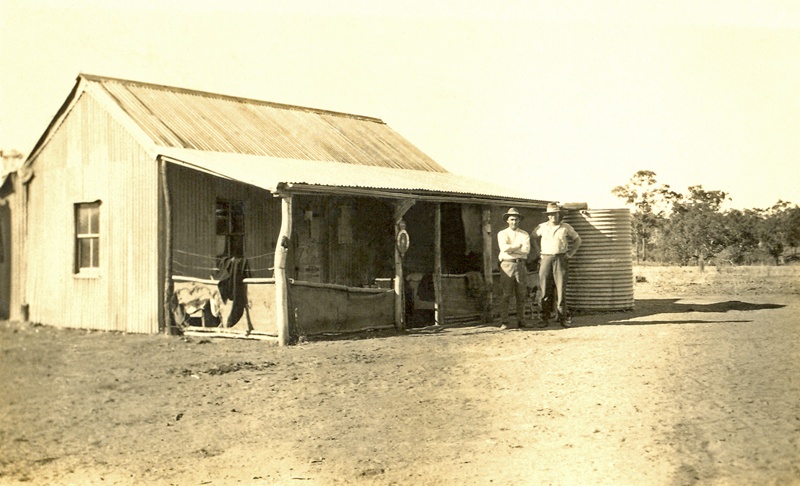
[403, 240]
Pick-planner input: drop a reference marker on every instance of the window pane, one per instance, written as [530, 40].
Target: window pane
[83, 219]
[94, 222]
[95, 243]
[84, 253]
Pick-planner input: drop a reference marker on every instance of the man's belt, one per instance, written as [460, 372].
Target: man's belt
[515, 260]
[552, 254]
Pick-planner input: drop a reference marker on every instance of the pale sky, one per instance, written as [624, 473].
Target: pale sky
[563, 99]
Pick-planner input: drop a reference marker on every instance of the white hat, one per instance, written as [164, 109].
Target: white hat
[552, 208]
[513, 212]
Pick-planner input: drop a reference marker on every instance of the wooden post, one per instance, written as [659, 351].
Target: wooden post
[168, 286]
[400, 209]
[24, 310]
[399, 287]
[281, 282]
[437, 265]
[488, 263]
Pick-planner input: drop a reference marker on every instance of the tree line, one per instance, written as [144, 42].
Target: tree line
[693, 229]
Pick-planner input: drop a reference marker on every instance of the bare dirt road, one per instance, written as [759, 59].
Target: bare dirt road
[692, 387]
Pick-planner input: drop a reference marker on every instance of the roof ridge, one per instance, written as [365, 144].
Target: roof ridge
[101, 79]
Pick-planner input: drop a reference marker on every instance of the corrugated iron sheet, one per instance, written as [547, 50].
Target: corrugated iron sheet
[272, 173]
[93, 158]
[180, 118]
[601, 272]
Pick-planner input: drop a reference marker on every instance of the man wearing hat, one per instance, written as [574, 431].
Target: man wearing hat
[559, 242]
[515, 244]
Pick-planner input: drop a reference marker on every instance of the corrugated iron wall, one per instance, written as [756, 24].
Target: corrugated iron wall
[12, 249]
[601, 272]
[195, 247]
[5, 256]
[133, 175]
[91, 157]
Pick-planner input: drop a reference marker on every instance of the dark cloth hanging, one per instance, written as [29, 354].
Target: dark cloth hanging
[231, 286]
[426, 290]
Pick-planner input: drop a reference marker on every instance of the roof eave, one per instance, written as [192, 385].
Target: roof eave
[423, 195]
[59, 116]
[83, 84]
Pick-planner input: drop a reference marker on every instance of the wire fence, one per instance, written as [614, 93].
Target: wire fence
[188, 264]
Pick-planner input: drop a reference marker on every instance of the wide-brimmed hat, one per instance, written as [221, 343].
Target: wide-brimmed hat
[513, 212]
[552, 208]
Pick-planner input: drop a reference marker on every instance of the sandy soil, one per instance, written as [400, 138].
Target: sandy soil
[697, 385]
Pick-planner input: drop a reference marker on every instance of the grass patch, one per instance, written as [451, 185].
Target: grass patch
[753, 280]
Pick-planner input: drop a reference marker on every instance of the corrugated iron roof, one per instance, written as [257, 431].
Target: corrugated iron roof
[181, 118]
[275, 174]
[277, 146]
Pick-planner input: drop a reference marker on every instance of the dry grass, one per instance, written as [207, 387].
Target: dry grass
[745, 280]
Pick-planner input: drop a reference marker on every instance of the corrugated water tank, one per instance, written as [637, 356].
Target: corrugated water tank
[601, 272]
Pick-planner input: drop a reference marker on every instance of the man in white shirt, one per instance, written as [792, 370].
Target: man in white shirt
[559, 242]
[515, 244]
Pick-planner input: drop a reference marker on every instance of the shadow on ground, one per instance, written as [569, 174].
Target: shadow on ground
[643, 309]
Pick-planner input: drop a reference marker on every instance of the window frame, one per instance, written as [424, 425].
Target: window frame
[230, 212]
[91, 233]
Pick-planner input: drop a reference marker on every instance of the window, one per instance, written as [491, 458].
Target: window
[87, 236]
[230, 228]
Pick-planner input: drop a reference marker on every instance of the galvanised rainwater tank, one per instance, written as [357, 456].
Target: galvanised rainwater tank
[601, 272]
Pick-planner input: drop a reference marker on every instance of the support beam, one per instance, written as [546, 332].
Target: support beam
[399, 281]
[437, 265]
[400, 209]
[168, 286]
[281, 280]
[24, 309]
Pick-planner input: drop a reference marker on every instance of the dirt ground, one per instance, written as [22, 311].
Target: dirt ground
[699, 384]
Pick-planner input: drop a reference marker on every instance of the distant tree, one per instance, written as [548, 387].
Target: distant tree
[696, 228]
[649, 202]
[779, 229]
[740, 236]
[793, 221]
[670, 227]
